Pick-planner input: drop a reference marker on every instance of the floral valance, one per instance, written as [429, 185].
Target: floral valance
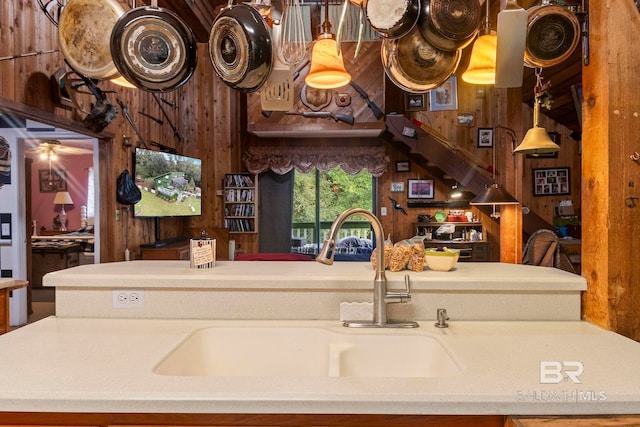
[282, 159]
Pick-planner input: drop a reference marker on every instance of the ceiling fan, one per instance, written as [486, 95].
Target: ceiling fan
[52, 148]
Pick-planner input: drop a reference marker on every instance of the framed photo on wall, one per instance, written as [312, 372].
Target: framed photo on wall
[551, 181]
[415, 101]
[397, 187]
[466, 119]
[52, 180]
[403, 166]
[485, 137]
[445, 96]
[420, 188]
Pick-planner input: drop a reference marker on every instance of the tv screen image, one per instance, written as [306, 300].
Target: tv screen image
[171, 184]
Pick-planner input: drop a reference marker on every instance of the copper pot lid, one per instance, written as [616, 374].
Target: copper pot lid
[82, 28]
[553, 33]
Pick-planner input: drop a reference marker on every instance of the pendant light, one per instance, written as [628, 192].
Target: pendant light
[482, 64]
[537, 141]
[494, 194]
[327, 69]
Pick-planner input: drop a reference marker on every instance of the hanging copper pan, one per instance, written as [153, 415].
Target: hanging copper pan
[415, 65]
[240, 47]
[154, 49]
[553, 33]
[81, 34]
[450, 24]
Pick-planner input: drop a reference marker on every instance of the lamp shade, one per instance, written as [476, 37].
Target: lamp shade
[537, 141]
[494, 195]
[63, 198]
[327, 67]
[482, 64]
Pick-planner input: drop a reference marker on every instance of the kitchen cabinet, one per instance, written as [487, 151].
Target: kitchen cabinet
[174, 251]
[574, 421]
[241, 203]
[468, 237]
[247, 420]
[6, 286]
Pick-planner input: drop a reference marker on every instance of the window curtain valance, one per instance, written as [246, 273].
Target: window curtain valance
[282, 159]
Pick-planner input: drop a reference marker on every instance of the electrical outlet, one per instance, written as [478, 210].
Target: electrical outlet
[127, 299]
[383, 211]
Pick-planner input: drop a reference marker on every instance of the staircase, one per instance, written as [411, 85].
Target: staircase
[455, 163]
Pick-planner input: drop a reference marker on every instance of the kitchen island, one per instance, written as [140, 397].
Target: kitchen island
[77, 366]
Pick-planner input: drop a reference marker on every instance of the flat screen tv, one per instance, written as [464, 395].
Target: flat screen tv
[171, 184]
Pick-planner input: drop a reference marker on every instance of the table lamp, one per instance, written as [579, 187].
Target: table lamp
[63, 198]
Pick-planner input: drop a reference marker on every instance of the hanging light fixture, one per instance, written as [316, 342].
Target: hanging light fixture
[460, 194]
[494, 194]
[537, 141]
[327, 69]
[482, 64]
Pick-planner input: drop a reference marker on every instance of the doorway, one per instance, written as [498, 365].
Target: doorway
[61, 207]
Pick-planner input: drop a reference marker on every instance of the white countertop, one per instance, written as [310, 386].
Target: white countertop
[483, 276]
[105, 365]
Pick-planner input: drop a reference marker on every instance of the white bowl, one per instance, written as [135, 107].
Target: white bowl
[441, 260]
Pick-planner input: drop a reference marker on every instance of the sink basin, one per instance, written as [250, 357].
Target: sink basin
[306, 352]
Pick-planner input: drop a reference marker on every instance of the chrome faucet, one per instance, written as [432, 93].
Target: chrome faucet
[381, 295]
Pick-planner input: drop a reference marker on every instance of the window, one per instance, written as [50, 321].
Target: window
[319, 197]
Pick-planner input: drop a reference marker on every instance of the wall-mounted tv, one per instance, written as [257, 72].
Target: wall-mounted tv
[171, 184]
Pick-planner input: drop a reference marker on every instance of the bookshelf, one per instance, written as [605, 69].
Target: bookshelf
[241, 203]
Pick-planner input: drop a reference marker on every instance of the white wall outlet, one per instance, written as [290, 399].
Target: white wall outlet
[383, 211]
[127, 298]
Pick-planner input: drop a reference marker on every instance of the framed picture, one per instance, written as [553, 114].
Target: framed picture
[61, 95]
[52, 181]
[445, 96]
[485, 137]
[415, 101]
[555, 137]
[551, 181]
[397, 187]
[420, 188]
[403, 166]
[466, 119]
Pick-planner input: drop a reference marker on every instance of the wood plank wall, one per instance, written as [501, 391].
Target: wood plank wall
[210, 121]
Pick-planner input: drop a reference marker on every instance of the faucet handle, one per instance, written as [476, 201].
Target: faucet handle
[407, 284]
